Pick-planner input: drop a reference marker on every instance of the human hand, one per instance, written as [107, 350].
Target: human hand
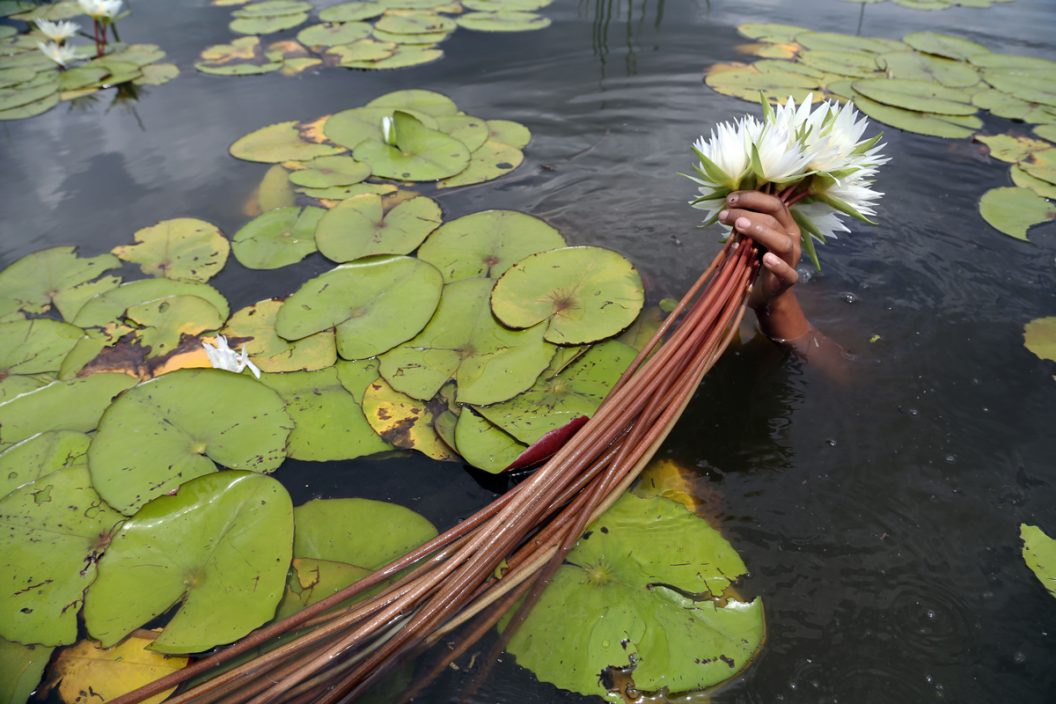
[767, 221]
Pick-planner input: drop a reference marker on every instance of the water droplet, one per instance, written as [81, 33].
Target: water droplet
[930, 613]
[848, 297]
[1019, 658]
[913, 412]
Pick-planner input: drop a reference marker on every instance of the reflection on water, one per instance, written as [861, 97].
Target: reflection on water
[879, 518]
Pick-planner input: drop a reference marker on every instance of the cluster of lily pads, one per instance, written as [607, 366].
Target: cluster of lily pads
[373, 34]
[31, 83]
[936, 4]
[928, 83]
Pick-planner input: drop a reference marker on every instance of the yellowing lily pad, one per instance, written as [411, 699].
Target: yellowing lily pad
[174, 428]
[487, 243]
[1011, 149]
[404, 422]
[254, 327]
[582, 294]
[358, 531]
[243, 56]
[277, 238]
[1013, 211]
[164, 322]
[327, 171]
[1039, 552]
[110, 672]
[76, 404]
[277, 143]
[1039, 336]
[418, 153]
[182, 248]
[362, 50]
[375, 304]
[359, 227]
[222, 539]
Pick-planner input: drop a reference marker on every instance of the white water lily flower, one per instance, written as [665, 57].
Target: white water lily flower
[835, 139]
[725, 158]
[781, 155]
[388, 130]
[823, 218]
[100, 9]
[62, 55]
[857, 192]
[57, 32]
[221, 356]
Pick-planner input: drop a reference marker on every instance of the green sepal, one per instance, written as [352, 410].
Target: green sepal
[768, 109]
[711, 169]
[808, 231]
[843, 207]
[867, 145]
[714, 195]
[757, 167]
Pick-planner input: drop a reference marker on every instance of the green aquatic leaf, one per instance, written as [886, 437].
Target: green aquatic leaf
[1041, 164]
[21, 666]
[327, 171]
[38, 455]
[350, 128]
[832, 41]
[506, 5]
[221, 540]
[949, 126]
[110, 305]
[254, 327]
[949, 46]
[1024, 180]
[278, 143]
[1046, 132]
[1039, 336]
[490, 161]
[310, 581]
[416, 101]
[505, 21]
[405, 422]
[35, 346]
[1013, 211]
[157, 74]
[484, 445]
[656, 583]
[415, 23]
[277, 238]
[360, 532]
[13, 76]
[82, 77]
[328, 421]
[555, 400]
[471, 131]
[359, 227]
[15, 385]
[913, 65]
[1011, 149]
[351, 11]
[1030, 85]
[37, 281]
[174, 428]
[921, 96]
[338, 193]
[487, 243]
[272, 8]
[163, 322]
[243, 56]
[361, 50]
[463, 341]
[326, 35]
[11, 98]
[508, 132]
[770, 31]
[402, 57]
[747, 82]
[76, 404]
[182, 248]
[275, 190]
[854, 64]
[418, 153]
[374, 304]
[1039, 552]
[267, 24]
[54, 530]
[582, 294]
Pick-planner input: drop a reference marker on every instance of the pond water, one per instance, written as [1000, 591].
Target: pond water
[878, 517]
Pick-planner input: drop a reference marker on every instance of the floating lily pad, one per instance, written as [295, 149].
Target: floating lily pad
[272, 8]
[1041, 164]
[54, 530]
[37, 107]
[508, 132]
[237, 555]
[655, 581]
[328, 421]
[402, 57]
[464, 342]
[921, 96]
[350, 128]
[770, 31]
[351, 12]
[254, 327]
[274, 191]
[157, 74]
[163, 322]
[1031, 86]
[415, 23]
[1013, 211]
[359, 227]
[505, 21]
[418, 153]
[21, 667]
[484, 445]
[1039, 336]
[311, 581]
[855, 64]
[35, 346]
[949, 126]
[506, 5]
[412, 41]
[947, 45]
[182, 248]
[487, 243]
[173, 428]
[1024, 180]
[922, 67]
[38, 455]
[327, 171]
[487, 163]
[831, 41]
[747, 82]
[278, 143]
[404, 422]
[1046, 132]
[325, 35]
[35, 282]
[1011, 149]
[1039, 552]
[266, 24]
[15, 385]
[362, 50]
[333, 195]
[581, 293]
[15, 98]
[415, 101]
[375, 304]
[471, 131]
[110, 672]
[110, 305]
[81, 76]
[76, 404]
[277, 238]
[243, 56]
[362, 532]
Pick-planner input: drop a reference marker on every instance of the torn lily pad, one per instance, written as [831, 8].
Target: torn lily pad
[254, 328]
[277, 143]
[405, 422]
[182, 248]
[277, 238]
[359, 227]
[109, 673]
[36, 282]
[162, 324]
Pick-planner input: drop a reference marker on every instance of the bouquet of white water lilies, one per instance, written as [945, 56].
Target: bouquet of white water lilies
[812, 158]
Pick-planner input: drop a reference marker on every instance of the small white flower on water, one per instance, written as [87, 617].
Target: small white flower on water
[57, 32]
[100, 9]
[223, 357]
[388, 130]
[62, 55]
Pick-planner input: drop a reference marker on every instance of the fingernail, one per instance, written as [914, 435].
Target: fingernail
[732, 198]
[770, 259]
[723, 214]
[743, 223]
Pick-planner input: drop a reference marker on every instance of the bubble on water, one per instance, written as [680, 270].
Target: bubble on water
[950, 459]
[848, 297]
[830, 442]
[930, 613]
[805, 275]
[1019, 658]
[913, 412]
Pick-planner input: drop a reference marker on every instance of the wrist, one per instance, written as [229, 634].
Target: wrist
[781, 317]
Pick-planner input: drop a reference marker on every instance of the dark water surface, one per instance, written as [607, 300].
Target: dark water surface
[879, 518]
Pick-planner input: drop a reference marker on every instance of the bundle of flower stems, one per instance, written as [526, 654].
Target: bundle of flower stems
[335, 649]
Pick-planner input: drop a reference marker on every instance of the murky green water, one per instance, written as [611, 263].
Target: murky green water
[879, 517]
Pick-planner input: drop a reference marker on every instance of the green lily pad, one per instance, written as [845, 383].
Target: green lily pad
[163, 322]
[581, 293]
[505, 21]
[350, 128]
[274, 190]
[338, 193]
[420, 40]
[38, 455]
[487, 243]
[949, 126]
[1041, 164]
[831, 41]
[277, 238]
[254, 327]
[278, 143]
[110, 305]
[554, 400]
[54, 530]
[770, 31]
[1031, 85]
[35, 346]
[310, 581]
[266, 24]
[1046, 132]
[747, 82]
[157, 74]
[222, 539]
[351, 12]
[182, 248]
[416, 101]
[655, 581]
[855, 64]
[272, 8]
[471, 131]
[21, 667]
[490, 161]
[362, 532]
[947, 45]
[415, 23]
[243, 56]
[923, 67]
[359, 227]
[328, 421]
[35, 282]
[76, 404]
[508, 132]
[1008, 148]
[418, 153]
[921, 96]
[374, 304]
[485, 445]
[464, 342]
[1024, 180]
[1013, 211]
[81, 77]
[70, 301]
[173, 428]
[506, 5]
[11, 98]
[325, 35]
[13, 76]
[402, 57]
[16, 385]
[1039, 552]
[405, 422]
[1039, 336]
[327, 171]
[362, 50]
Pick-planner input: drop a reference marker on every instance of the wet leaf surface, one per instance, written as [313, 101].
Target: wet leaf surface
[405, 422]
[277, 238]
[75, 405]
[1039, 552]
[183, 248]
[254, 327]
[88, 670]
[360, 227]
